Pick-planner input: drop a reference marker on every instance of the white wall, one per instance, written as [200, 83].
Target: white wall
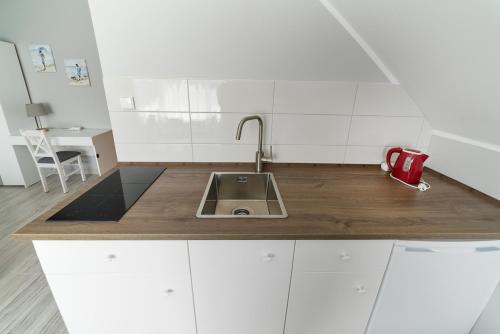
[16, 167]
[323, 122]
[444, 53]
[446, 56]
[67, 27]
[219, 39]
[469, 162]
[322, 98]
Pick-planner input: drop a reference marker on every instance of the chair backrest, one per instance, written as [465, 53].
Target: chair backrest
[39, 145]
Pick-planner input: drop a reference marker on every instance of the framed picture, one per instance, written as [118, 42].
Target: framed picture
[77, 72]
[42, 58]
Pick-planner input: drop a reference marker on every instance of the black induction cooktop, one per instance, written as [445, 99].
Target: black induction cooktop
[112, 197]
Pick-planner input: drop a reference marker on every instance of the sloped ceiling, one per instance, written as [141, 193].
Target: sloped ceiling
[445, 53]
[258, 39]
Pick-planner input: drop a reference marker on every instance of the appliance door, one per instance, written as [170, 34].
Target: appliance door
[436, 287]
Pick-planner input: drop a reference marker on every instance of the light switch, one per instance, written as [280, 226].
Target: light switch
[127, 103]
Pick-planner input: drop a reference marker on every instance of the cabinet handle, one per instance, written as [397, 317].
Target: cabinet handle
[168, 292]
[360, 289]
[268, 257]
[110, 257]
[345, 256]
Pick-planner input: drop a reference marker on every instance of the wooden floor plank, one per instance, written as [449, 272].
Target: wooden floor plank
[26, 303]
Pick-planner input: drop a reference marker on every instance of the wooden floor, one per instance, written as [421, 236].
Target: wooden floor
[26, 303]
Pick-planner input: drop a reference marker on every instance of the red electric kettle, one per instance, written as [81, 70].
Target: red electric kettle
[409, 165]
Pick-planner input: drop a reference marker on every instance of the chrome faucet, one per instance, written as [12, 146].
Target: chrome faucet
[259, 155]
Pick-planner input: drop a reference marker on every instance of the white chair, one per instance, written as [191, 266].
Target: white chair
[45, 157]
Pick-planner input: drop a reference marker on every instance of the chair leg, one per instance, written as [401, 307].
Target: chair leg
[80, 165]
[62, 177]
[43, 179]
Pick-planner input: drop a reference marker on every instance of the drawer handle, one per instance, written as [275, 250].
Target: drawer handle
[168, 292]
[268, 257]
[360, 289]
[110, 257]
[345, 256]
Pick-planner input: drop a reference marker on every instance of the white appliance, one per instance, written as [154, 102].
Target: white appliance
[427, 287]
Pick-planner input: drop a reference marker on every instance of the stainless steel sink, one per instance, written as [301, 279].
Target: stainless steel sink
[241, 195]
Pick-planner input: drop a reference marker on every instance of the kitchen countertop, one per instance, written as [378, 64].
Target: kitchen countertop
[323, 202]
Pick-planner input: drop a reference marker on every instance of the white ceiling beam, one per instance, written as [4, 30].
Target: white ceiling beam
[362, 43]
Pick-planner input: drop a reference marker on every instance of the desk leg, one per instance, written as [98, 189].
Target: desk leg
[104, 152]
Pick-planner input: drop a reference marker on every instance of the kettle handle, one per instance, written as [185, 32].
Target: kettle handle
[389, 155]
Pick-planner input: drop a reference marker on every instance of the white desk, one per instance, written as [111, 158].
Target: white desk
[97, 147]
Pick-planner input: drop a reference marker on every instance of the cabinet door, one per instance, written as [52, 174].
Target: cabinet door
[436, 287]
[334, 285]
[241, 286]
[124, 304]
[327, 303]
[120, 286]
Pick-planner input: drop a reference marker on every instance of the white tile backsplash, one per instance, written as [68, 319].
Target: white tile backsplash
[308, 153]
[384, 100]
[384, 131]
[154, 152]
[220, 128]
[310, 129]
[365, 154]
[148, 94]
[225, 152]
[424, 138]
[228, 96]
[150, 127]
[314, 97]
[306, 122]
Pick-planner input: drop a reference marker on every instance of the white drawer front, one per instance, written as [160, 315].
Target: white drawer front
[326, 303]
[361, 256]
[70, 257]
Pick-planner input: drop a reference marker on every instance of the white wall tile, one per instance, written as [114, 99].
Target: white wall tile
[314, 97]
[365, 154]
[225, 152]
[384, 131]
[308, 153]
[241, 96]
[385, 100]
[312, 121]
[221, 128]
[154, 152]
[148, 94]
[150, 127]
[369, 154]
[310, 129]
[424, 138]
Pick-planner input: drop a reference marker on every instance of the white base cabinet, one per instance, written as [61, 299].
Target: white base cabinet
[436, 287]
[241, 286]
[334, 285]
[489, 321]
[249, 286]
[120, 287]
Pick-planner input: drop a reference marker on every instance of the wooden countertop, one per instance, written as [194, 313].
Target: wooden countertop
[323, 202]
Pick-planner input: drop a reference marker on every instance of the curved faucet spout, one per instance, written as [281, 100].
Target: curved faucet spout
[259, 153]
[249, 118]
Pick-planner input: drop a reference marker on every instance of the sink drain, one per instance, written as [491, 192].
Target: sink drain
[240, 212]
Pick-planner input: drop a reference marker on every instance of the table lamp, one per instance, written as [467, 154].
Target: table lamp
[36, 110]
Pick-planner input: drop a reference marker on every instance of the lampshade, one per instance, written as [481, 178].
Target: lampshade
[35, 109]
